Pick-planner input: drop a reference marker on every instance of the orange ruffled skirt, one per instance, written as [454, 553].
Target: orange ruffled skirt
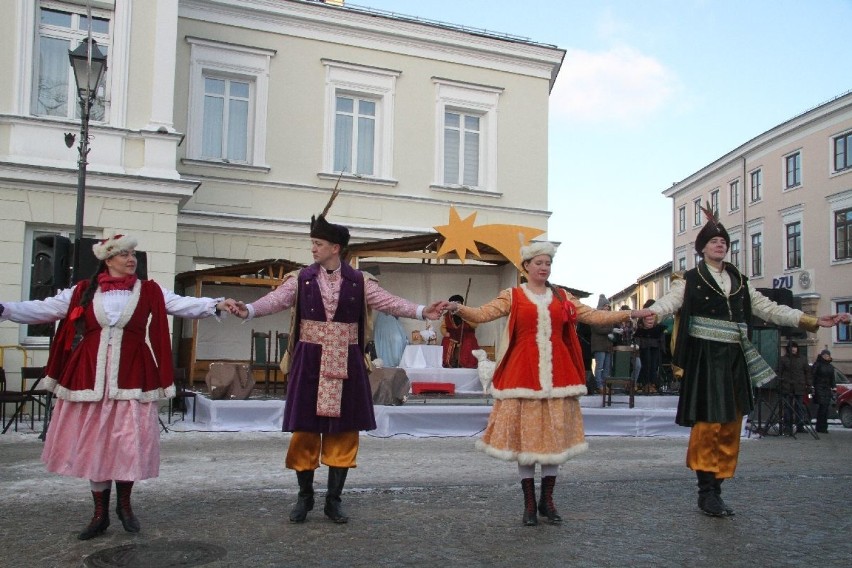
[528, 431]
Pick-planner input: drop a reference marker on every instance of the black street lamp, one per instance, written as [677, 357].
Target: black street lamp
[89, 65]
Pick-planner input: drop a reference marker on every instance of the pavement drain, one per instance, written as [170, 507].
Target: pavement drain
[162, 554]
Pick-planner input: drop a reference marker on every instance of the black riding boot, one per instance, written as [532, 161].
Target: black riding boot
[545, 502]
[122, 506]
[717, 488]
[305, 501]
[336, 480]
[708, 501]
[100, 520]
[528, 485]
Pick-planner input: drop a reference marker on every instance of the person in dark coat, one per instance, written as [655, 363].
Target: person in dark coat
[329, 399]
[649, 336]
[795, 383]
[823, 375]
[720, 365]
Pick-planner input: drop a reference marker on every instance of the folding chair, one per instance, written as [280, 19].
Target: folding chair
[19, 399]
[181, 396]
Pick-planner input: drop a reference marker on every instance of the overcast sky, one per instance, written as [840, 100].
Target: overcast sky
[651, 91]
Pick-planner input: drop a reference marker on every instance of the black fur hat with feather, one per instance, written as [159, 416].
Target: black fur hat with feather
[322, 229]
[712, 228]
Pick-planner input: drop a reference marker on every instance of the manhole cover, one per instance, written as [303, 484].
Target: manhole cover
[158, 553]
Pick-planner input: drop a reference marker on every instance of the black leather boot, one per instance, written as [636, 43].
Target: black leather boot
[100, 520]
[717, 489]
[336, 480]
[708, 501]
[545, 502]
[122, 506]
[305, 502]
[528, 485]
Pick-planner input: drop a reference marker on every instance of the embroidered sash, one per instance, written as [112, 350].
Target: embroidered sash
[723, 331]
[335, 339]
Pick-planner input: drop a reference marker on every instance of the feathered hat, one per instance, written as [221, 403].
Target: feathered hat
[113, 245]
[322, 229]
[712, 228]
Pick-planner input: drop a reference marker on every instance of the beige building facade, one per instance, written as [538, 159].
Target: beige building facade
[785, 198]
[222, 125]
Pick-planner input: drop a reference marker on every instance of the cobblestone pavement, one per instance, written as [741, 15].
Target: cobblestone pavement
[437, 502]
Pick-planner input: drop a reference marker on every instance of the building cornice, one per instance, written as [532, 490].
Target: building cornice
[44, 178]
[375, 31]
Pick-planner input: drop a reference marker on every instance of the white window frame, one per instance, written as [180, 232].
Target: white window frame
[834, 309]
[237, 62]
[697, 214]
[832, 142]
[468, 98]
[30, 58]
[752, 229]
[734, 194]
[837, 202]
[736, 237]
[791, 215]
[681, 219]
[801, 168]
[751, 186]
[361, 81]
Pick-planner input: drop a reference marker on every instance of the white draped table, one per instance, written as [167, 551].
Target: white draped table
[421, 357]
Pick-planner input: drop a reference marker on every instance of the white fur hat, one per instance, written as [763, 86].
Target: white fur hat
[112, 246]
[533, 250]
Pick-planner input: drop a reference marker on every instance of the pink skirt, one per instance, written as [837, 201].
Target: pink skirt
[104, 440]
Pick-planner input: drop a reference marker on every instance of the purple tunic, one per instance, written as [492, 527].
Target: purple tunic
[356, 410]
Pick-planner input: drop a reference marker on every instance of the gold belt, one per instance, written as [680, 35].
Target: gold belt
[335, 339]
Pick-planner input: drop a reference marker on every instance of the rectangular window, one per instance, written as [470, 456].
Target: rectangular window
[61, 29]
[757, 254]
[735, 253]
[225, 130]
[794, 245]
[461, 149]
[793, 165]
[714, 201]
[681, 219]
[696, 212]
[843, 234]
[734, 194]
[681, 264]
[756, 185]
[228, 100]
[844, 331]
[843, 152]
[354, 135]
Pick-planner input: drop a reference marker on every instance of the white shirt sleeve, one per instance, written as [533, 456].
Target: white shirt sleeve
[38, 311]
[189, 307]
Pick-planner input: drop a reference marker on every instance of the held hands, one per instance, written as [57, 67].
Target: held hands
[642, 313]
[832, 320]
[234, 307]
[434, 310]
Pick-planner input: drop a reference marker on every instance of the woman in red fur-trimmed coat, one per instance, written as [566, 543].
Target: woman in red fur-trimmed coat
[539, 377]
[107, 378]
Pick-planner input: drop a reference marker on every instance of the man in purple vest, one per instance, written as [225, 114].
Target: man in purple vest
[329, 399]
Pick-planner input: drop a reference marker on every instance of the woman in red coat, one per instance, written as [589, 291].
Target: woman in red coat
[539, 377]
[110, 365]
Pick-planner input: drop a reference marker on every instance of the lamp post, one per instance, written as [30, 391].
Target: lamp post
[89, 65]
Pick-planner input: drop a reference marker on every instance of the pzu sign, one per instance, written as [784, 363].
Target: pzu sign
[784, 282]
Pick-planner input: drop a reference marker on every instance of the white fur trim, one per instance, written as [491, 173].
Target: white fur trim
[559, 392]
[533, 250]
[113, 245]
[526, 458]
